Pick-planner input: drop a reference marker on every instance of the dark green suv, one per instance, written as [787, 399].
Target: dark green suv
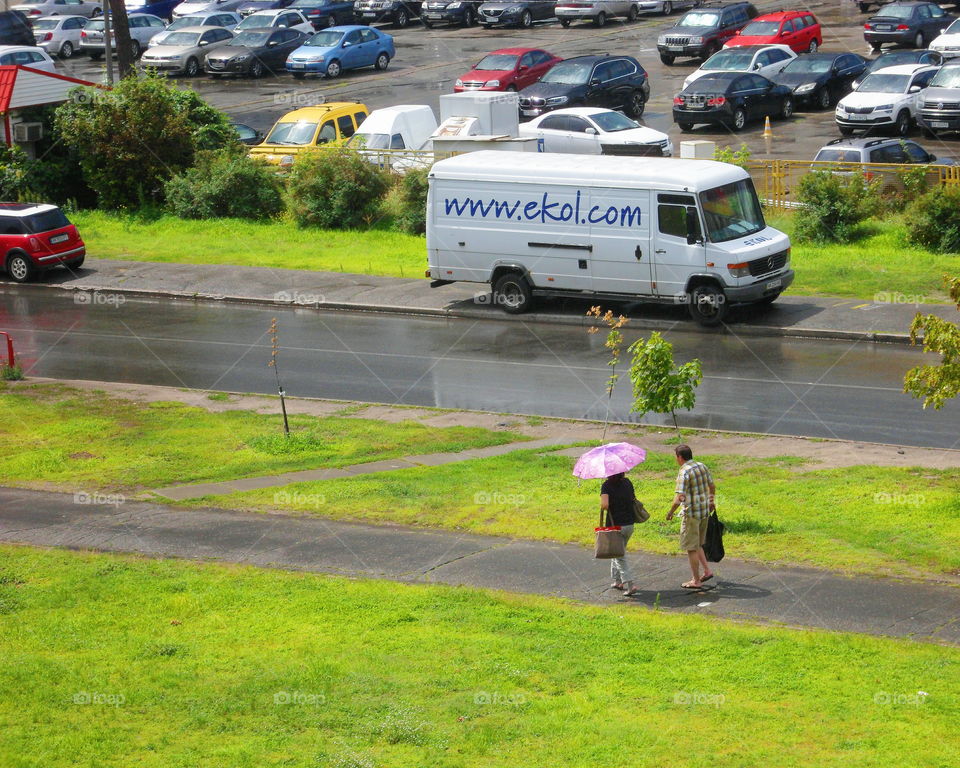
[700, 33]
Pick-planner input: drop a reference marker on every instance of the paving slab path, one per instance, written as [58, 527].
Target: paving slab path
[799, 597]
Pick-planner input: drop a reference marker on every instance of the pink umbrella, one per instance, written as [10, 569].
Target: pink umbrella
[607, 460]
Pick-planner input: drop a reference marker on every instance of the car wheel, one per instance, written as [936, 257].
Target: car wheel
[876, 47]
[20, 268]
[635, 104]
[786, 109]
[845, 130]
[686, 127]
[469, 17]
[667, 59]
[192, 68]
[76, 263]
[739, 119]
[711, 49]
[96, 55]
[66, 50]
[708, 305]
[667, 8]
[526, 20]
[918, 41]
[812, 48]
[511, 89]
[564, 23]
[333, 69]
[632, 14]
[135, 48]
[428, 24]
[864, 7]
[512, 294]
[823, 98]
[601, 19]
[97, 12]
[256, 69]
[382, 62]
[487, 26]
[402, 18]
[902, 125]
[298, 75]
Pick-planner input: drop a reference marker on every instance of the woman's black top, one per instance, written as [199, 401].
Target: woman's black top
[621, 501]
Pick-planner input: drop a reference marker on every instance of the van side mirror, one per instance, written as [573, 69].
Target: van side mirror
[693, 227]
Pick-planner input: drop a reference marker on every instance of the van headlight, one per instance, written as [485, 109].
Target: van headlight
[739, 270]
[806, 88]
[555, 100]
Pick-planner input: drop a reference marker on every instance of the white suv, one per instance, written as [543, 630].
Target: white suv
[887, 98]
[597, 11]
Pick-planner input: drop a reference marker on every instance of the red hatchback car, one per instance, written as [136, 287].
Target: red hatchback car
[798, 29]
[509, 69]
[35, 237]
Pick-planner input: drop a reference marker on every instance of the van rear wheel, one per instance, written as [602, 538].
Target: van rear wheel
[512, 294]
[708, 305]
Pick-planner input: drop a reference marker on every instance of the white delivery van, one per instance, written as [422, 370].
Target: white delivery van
[405, 126]
[621, 228]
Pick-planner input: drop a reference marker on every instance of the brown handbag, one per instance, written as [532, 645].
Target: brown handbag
[640, 511]
[610, 543]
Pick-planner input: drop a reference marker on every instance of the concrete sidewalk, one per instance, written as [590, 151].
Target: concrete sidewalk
[887, 319]
[780, 595]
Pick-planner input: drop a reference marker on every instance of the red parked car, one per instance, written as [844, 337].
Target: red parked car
[509, 69]
[798, 29]
[35, 237]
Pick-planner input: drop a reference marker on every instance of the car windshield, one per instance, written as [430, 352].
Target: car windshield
[807, 64]
[948, 77]
[325, 39]
[884, 83]
[251, 38]
[300, 132]
[731, 211]
[609, 122]
[569, 73]
[729, 61]
[46, 221]
[699, 19]
[186, 21]
[369, 141]
[46, 23]
[839, 155]
[497, 61]
[761, 28]
[182, 38]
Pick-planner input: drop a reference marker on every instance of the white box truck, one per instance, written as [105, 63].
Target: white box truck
[620, 228]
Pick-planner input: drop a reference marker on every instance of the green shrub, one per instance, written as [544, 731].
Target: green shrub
[14, 173]
[933, 220]
[739, 157]
[225, 184]
[335, 188]
[413, 201]
[832, 205]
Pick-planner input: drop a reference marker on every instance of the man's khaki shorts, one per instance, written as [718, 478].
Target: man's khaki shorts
[693, 532]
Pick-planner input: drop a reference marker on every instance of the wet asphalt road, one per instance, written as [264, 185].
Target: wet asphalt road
[848, 390]
[429, 61]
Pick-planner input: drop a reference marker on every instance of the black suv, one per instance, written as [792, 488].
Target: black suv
[700, 33]
[614, 82]
[15, 29]
[463, 12]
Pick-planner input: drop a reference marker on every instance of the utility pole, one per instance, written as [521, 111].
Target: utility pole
[107, 47]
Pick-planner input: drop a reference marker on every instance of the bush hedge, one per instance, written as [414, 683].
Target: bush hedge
[225, 184]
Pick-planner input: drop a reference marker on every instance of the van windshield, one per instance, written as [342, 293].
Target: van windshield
[948, 77]
[300, 133]
[732, 211]
[369, 141]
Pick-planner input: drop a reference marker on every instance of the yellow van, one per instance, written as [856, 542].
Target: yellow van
[309, 127]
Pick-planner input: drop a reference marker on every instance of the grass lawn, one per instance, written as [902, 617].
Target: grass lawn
[863, 519]
[277, 244]
[122, 661]
[53, 434]
[879, 262]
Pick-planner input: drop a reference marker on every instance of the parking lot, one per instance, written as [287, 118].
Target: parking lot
[429, 61]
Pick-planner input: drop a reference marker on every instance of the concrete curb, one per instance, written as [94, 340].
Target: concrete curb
[476, 314]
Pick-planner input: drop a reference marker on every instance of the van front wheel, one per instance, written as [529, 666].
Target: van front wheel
[708, 305]
[512, 294]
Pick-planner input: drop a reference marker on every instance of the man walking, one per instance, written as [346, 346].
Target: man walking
[695, 493]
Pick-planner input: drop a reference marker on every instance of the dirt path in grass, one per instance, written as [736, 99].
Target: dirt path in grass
[819, 453]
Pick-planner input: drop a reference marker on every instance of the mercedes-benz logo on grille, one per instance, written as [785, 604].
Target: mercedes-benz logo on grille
[770, 263]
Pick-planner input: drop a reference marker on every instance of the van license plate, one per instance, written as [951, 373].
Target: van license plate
[59, 239]
[773, 284]
[939, 124]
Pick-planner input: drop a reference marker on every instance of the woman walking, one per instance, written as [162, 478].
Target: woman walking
[617, 498]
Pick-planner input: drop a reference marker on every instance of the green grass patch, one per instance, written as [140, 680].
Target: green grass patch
[278, 244]
[121, 661]
[54, 434]
[860, 519]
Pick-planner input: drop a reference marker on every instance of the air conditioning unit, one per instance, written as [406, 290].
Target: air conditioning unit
[28, 131]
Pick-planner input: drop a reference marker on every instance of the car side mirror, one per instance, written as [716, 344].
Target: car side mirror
[273, 43]
[931, 157]
[204, 43]
[915, 89]
[522, 68]
[595, 81]
[345, 45]
[756, 67]
[693, 227]
[591, 131]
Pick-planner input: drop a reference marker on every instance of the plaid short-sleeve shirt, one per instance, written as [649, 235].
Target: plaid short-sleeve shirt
[693, 481]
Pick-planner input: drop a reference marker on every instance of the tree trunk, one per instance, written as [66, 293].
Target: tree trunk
[121, 37]
[677, 426]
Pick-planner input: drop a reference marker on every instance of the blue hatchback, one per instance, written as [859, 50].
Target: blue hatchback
[336, 49]
[161, 8]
